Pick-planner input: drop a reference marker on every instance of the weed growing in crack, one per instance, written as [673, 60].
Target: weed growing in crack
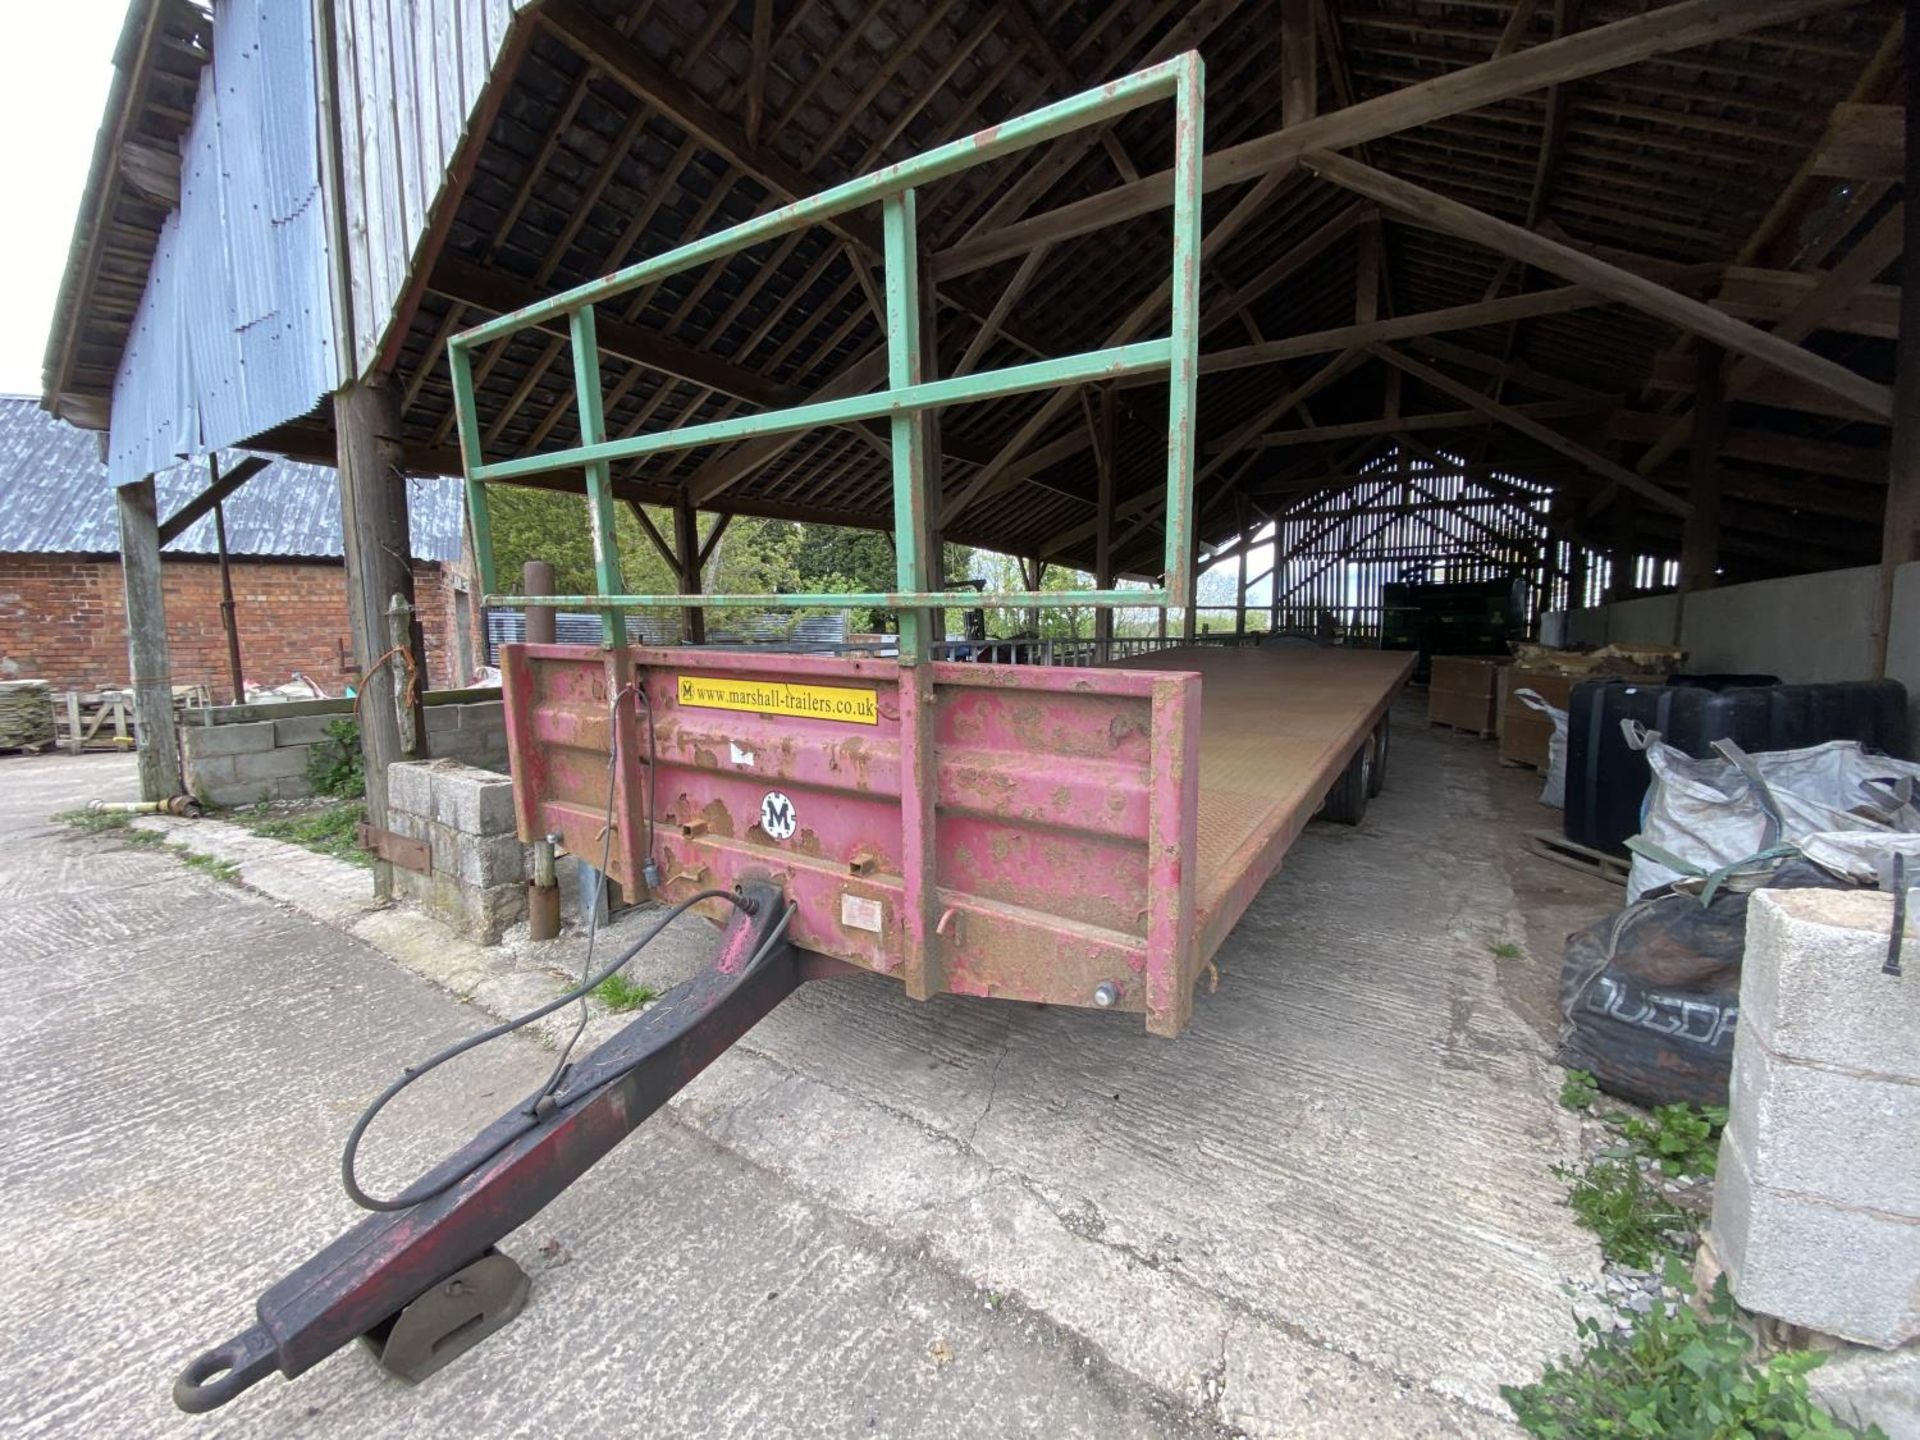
[1677, 1373]
[619, 994]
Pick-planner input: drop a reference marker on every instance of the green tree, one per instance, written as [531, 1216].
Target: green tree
[552, 526]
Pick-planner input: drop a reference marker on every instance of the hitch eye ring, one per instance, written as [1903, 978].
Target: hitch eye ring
[214, 1377]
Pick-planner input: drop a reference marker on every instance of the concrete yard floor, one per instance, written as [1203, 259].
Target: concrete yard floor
[1327, 1208]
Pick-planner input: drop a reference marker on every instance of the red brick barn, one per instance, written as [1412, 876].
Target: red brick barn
[62, 608]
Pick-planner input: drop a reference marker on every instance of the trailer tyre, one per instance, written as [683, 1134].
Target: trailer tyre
[1346, 803]
[1378, 780]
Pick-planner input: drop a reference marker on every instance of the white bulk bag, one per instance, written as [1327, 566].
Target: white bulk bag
[1715, 812]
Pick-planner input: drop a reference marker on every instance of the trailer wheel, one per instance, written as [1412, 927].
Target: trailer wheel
[1346, 802]
[1378, 780]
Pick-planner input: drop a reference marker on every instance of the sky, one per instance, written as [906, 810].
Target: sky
[54, 72]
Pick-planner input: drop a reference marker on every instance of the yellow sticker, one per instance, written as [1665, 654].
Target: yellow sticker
[779, 697]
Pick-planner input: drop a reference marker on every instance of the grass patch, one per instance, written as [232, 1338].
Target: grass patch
[209, 865]
[1682, 1375]
[619, 994]
[1613, 1199]
[109, 822]
[331, 829]
[1505, 950]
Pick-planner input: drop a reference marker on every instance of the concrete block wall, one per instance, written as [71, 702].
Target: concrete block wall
[464, 814]
[1816, 1213]
[263, 756]
[1807, 629]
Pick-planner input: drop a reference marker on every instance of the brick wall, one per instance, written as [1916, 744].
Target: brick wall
[62, 620]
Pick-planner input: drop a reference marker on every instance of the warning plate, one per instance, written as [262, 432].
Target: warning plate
[781, 697]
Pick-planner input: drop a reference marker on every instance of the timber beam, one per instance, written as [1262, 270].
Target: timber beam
[1573, 57]
[1439, 212]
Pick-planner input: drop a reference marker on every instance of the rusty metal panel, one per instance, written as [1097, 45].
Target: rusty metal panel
[1064, 806]
[407, 853]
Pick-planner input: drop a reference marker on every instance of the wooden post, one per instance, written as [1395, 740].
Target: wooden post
[686, 546]
[1103, 519]
[536, 578]
[406, 716]
[1299, 72]
[1625, 515]
[147, 659]
[373, 522]
[1700, 542]
[1036, 580]
[1900, 540]
[228, 621]
[1240, 578]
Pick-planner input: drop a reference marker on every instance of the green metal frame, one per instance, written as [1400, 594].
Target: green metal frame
[908, 393]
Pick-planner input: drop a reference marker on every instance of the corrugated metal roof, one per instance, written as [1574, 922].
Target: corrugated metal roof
[55, 498]
[235, 331]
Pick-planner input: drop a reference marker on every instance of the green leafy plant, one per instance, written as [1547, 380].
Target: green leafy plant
[325, 829]
[219, 869]
[1681, 1139]
[1632, 1218]
[1579, 1090]
[1505, 950]
[1678, 1376]
[619, 994]
[334, 763]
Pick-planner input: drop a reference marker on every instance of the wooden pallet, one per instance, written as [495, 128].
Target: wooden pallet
[1551, 845]
[1460, 729]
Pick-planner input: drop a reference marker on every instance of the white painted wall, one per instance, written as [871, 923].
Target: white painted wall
[1807, 629]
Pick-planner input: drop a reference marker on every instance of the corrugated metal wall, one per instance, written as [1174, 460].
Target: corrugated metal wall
[410, 74]
[235, 333]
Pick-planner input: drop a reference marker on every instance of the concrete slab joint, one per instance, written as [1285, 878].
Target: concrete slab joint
[477, 883]
[1817, 1213]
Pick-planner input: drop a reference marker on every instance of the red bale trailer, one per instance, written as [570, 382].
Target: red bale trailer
[1074, 835]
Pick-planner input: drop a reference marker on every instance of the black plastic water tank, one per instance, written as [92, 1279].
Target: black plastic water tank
[1607, 781]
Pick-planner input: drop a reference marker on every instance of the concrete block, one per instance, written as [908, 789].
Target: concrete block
[410, 788]
[485, 860]
[1872, 1387]
[206, 774]
[442, 718]
[1828, 1134]
[408, 826]
[414, 886]
[1811, 986]
[495, 910]
[1849, 1271]
[302, 729]
[210, 740]
[483, 715]
[474, 801]
[444, 841]
[290, 787]
[268, 765]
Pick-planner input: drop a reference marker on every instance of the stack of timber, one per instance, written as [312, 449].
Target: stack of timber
[26, 714]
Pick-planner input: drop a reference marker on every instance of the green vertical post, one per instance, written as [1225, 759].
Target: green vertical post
[1183, 374]
[912, 522]
[593, 431]
[479, 519]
